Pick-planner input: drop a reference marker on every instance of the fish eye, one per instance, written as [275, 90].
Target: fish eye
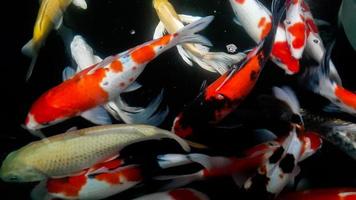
[288, 22]
[316, 41]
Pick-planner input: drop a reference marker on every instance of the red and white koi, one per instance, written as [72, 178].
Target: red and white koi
[225, 94]
[99, 182]
[255, 18]
[84, 57]
[295, 28]
[282, 166]
[324, 81]
[321, 194]
[176, 194]
[103, 82]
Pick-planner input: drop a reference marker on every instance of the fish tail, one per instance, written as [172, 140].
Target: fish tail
[211, 61]
[187, 34]
[30, 49]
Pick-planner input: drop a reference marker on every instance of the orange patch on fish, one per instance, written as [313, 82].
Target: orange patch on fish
[262, 22]
[143, 54]
[179, 130]
[162, 41]
[281, 51]
[183, 194]
[346, 97]
[298, 31]
[240, 1]
[73, 96]
[265, 30]
[116, 66]
[69, 186]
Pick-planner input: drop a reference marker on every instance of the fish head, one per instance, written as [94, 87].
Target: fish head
[14, 169]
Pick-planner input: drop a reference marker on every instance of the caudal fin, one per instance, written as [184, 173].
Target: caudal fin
[30, 50]
[187, 34]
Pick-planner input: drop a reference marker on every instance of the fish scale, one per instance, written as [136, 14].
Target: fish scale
[69, 153]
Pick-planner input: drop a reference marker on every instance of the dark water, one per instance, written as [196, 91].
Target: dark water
[107, 26]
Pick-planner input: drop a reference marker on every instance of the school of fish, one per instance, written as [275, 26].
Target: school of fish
[128, 154]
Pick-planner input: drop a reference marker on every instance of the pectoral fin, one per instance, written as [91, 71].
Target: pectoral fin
[80, 4]
[97, 115]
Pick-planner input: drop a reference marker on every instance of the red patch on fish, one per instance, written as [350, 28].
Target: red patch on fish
[321, 194]
[240, 1]
[265, 30]
[262, 22]
[179, 130]
[68, 99]
[110, 178]
[281, 51]
[162, 41]
[183, 194]
[298, 31]
[132, 174]
[345, 96]
[69, 186]
[116, 66]
[311, 25]
[143, 54]
[315, 140]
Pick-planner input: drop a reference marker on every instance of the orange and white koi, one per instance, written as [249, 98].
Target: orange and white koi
[295, 28]
[50, 15]
[99, 182]
[72, 152]
[176, 194]
[321, 194]
[84, 57]
[84, 93]
[171, 22]
[255, 18]
[225, 94]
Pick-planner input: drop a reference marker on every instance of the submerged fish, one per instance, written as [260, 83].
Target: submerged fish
[225, 94]
[295, 28]
[50, 15]
[171, 22]
[338, 132]
[321, 194]
[255, 18]
[84, 93]
[176, 194]
[84, 57]
[70, 153]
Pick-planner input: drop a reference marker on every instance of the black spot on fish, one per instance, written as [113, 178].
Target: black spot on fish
[258, 188]
[253, 75]
[276, 155]
[287, 163]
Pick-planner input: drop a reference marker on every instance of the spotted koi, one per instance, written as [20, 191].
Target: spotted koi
[104, 81]
[255, 18]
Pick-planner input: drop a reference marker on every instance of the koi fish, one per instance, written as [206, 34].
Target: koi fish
[282, 166]
[321, 194]
[50, 15]
[295, 28]
[338, 132]
[226, 93]
[84, 93]
[171, 22]
[215, 166]
[70, 153]
[84, 57]
[99, 182]
[176, 194]
[255, 18]
[323, 81]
